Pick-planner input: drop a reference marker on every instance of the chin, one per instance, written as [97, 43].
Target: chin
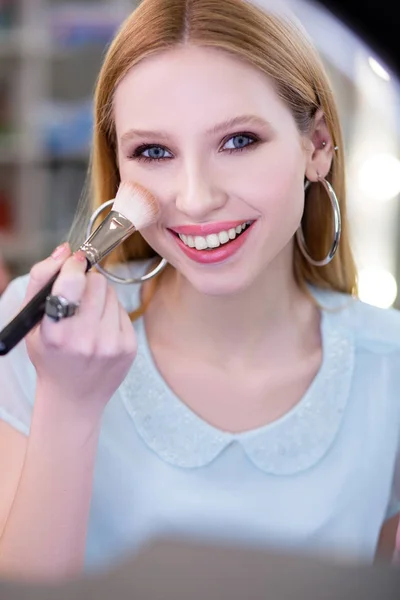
[226, 282]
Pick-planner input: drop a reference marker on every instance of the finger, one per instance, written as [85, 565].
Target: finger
[128, 332]
[71, 281]
[70, 284]
[43, 271]
[110, 330]
[124, 320]
[93, 301]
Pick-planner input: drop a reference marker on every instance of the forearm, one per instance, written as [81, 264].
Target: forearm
[45, 533]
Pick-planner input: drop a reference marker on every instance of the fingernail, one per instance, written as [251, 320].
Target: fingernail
[60, 251]
[396, 558]
[80, 256]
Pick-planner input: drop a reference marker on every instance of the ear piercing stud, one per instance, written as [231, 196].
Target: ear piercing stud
[336, 148]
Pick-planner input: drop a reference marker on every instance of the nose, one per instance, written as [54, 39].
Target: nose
[200, 195]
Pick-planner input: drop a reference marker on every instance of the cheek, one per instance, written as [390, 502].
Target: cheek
[131, 170]
[157, 179]
[150, 235]
[272, 182]
[156, 182]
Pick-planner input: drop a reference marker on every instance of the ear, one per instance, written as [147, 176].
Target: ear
[319, 149]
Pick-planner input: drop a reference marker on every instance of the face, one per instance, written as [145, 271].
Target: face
[208, 135]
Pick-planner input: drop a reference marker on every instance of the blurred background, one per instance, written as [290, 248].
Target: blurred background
[50, 54]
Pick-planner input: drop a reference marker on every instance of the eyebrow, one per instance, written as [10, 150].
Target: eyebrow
[217, 129]
[144, 133]
[239, 121]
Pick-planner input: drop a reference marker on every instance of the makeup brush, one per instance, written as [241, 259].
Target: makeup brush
[134, 208]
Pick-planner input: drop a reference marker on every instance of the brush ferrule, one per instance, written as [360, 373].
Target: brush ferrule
[91, 253]
[111, 232]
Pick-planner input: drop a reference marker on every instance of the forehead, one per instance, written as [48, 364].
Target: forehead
[196, 85]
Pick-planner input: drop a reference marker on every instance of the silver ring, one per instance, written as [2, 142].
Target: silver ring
[337, 224]
[58, 307]
[115, 278]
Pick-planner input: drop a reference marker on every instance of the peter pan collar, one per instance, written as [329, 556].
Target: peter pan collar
[291, 444]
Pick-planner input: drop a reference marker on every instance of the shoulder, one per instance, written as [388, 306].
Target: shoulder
[17, 373]
[373, 329]
[12, 298]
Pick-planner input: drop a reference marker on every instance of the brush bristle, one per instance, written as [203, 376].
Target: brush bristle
[136, 204]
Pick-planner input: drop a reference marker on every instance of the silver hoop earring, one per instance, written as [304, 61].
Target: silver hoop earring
[337, 227]
[114, 278]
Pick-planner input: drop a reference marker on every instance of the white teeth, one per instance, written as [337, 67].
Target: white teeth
[200, 243]
[223, 237]
[213, 240]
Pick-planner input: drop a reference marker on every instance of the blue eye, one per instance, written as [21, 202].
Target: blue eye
[239, 141]
[150, 153]
[155, 153]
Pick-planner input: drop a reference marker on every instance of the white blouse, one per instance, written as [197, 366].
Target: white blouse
[323, 478]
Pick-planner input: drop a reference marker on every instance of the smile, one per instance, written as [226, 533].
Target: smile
[211, 243]
[213, 240]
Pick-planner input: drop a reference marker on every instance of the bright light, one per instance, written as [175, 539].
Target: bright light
[379, 177]
[378, 69]
[377, 287]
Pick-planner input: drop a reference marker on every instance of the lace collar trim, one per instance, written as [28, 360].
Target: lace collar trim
[291, 444]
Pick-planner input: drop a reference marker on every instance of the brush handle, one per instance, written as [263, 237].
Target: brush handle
[28, 317]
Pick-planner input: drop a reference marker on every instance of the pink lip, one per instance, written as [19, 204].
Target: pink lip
[217, 255]
[207, 228]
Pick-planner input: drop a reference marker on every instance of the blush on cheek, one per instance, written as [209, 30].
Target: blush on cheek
[280, 195]
[159, 181]
[286, 194]
[270, 179]
[157, 238]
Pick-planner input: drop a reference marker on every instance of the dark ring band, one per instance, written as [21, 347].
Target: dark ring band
[58, 307]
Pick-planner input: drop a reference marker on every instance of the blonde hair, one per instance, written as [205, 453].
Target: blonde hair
[280, 50]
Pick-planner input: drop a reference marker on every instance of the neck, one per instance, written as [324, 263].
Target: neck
[261, 321]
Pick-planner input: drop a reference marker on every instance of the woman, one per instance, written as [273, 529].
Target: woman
[260, 406]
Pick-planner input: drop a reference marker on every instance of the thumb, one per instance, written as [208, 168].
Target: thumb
[43, 271]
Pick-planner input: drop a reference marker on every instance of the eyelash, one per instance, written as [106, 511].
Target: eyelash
[137, 153]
